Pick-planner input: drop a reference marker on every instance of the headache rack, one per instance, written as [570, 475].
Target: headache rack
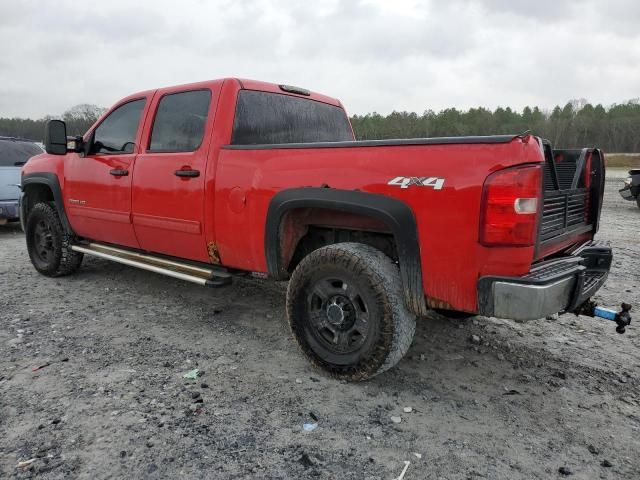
[573, 189]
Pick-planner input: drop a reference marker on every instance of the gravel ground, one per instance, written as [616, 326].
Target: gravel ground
[518, 400]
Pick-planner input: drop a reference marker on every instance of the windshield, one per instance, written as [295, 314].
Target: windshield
[15, 153]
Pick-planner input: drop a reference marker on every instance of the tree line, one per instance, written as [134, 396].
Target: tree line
[78, 119]
[577, 124]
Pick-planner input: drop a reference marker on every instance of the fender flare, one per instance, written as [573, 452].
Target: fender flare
[51, 181]
[396, 214]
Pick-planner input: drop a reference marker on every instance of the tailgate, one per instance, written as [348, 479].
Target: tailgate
[572, 198]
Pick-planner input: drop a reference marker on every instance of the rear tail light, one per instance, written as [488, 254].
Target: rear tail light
[587, 185]
[587, 171]
[510, 207]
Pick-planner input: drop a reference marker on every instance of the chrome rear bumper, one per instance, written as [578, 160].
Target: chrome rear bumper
[550, 287]
[528, 302]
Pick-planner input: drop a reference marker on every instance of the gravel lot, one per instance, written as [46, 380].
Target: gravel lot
[110, 401]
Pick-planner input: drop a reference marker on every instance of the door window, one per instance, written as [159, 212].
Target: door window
[117, 133]
[180, 122]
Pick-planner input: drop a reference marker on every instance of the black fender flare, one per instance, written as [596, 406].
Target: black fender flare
[396, 214]
[50, 180]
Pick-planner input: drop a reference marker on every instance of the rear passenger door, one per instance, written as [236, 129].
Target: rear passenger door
[169, 175]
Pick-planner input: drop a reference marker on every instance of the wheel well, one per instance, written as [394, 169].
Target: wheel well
[304, 230]
[34, 194]
[350, 214]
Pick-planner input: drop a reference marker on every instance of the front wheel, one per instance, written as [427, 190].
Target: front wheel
[48, 244]
[346, 311]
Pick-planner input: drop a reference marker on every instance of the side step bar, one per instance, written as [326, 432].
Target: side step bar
[210, 277]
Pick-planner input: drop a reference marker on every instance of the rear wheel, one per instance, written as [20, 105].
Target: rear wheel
[347, 312]
[48, 244]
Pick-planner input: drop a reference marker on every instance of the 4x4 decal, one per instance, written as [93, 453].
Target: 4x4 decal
[405, 182]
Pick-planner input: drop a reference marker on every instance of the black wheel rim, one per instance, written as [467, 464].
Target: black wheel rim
[338, 315]
[42, 241]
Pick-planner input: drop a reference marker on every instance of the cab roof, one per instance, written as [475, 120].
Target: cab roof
[245, 84]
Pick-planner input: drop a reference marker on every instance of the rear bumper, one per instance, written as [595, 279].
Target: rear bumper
[550, 287]
[9, 209]
[628, 193]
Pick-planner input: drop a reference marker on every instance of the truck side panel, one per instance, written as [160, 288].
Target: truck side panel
[447, 217]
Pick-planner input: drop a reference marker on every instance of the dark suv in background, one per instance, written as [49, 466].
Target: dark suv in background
[14, 153]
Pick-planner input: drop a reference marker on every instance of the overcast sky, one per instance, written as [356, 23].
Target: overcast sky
[375, 55]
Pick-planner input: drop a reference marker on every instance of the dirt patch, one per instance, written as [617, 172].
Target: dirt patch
[91, 384]
[623, 160]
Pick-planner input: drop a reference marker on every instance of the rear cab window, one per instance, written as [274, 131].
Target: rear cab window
[265, 118]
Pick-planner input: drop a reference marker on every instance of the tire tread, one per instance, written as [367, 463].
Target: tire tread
[383, 277]
[68, 261]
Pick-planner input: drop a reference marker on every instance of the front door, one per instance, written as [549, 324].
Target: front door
[98, 185]
[169, 175]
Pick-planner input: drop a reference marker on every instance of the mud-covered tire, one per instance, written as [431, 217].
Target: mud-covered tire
[48, 244]
[366, 328]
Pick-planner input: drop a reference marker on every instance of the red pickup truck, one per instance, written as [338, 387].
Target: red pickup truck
[212, 180]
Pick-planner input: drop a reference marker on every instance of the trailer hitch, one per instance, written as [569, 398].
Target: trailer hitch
[622, 318]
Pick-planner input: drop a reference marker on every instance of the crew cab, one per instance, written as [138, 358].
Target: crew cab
[213, 180]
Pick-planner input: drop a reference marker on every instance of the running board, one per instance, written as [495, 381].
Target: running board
[210, 277]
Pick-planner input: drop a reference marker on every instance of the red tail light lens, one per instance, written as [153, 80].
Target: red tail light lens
[511, 201]
[587, 171]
